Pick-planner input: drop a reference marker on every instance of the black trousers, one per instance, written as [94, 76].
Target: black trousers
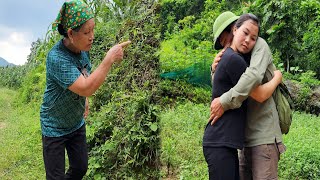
[223, 163]
[54, 155]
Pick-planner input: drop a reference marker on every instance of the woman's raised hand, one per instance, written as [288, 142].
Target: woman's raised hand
[217, 59]
[115, 54]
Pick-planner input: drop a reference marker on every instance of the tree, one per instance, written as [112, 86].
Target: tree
[283, 24]
[33, 51]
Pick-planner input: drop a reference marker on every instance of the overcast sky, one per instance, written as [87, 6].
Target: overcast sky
[21, 23]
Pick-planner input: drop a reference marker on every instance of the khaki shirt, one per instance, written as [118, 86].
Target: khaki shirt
[262, 125]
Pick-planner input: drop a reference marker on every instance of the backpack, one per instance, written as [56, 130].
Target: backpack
[284, 105]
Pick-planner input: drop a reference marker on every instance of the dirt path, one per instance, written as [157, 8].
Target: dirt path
[2, 125]
[6, 105]
[7, 110]
[20, 139]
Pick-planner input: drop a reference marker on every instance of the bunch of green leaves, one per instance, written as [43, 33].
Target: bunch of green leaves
[311, 45]
[34, 80]
[123, 133]
[173, 11]
[308, 84]
[282, 27]
[187, 53]
[12, 76]
[187, 50]
[123, 138]
[304, 88]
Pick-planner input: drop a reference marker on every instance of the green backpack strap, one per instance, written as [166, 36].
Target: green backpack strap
[284, 104]
[283, 101]
[285, 91]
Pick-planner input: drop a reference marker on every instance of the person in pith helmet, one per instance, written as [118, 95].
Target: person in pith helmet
[262, 130]
[223, 138]
[222, 29]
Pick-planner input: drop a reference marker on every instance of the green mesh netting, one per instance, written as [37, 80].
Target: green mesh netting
[198, 74]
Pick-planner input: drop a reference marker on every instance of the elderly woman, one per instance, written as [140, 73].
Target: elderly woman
[68, 83]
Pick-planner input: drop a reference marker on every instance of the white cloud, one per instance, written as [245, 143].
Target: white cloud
[17, 38]
[14, 54]
[19, 30]
[15, 46]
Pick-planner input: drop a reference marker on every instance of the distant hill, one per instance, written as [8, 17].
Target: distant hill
[4, 63]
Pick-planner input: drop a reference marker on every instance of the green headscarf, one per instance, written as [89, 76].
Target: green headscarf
[72, 14]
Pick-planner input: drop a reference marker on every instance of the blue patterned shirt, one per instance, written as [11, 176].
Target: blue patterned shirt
[62, 110]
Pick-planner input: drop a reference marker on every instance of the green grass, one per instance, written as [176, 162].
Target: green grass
[181, 149]
[181, 142]
[302, 158]
[182, 157]
[20, 140]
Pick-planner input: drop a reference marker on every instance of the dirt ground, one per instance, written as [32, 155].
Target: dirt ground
[2, 125]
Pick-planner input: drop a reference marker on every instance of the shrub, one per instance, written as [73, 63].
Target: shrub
[304, 88]
[123, 134]
[12, 77]
[302, 158]
[123, 138]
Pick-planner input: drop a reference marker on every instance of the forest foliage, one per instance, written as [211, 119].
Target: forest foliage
[169, 36]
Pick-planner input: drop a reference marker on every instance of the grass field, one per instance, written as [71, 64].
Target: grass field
[20, 140]
[182, 157]
[181, 135]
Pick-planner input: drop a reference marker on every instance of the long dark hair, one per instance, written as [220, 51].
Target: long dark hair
[245, 17]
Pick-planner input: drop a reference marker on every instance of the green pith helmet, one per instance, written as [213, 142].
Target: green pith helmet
[222, 21]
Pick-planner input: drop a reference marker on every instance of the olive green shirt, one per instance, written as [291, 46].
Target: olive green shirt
[262, 125]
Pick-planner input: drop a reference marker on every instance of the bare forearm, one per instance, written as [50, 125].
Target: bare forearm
[265, 91]
[240, 92]
[96, 79]
[87, 86]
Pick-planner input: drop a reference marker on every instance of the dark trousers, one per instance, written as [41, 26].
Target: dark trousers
[54, 155]
[223, 163]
